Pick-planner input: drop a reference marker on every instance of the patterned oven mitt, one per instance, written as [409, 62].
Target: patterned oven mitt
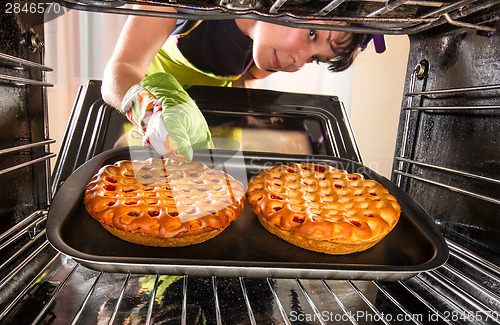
[167, 117]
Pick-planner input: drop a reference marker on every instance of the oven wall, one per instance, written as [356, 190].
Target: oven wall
[451, 152]
[22, 190]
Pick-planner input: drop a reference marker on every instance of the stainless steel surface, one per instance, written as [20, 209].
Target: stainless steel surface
[452, 91]
[26, 146]
[451, 188]
[447, 108]
[389, 6]
[419, 71]
[25, 154]
[450, 170]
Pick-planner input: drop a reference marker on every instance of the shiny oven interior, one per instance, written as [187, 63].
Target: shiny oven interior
[446, 158]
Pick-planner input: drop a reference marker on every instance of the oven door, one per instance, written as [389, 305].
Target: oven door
[249, 120]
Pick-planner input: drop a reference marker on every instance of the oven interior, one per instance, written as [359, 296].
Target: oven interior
[446, 158]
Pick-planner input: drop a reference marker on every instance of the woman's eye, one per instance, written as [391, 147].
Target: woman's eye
[312, 34]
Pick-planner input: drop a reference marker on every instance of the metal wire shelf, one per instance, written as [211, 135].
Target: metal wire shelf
[320, 301]
[23, 62]
[362, 16]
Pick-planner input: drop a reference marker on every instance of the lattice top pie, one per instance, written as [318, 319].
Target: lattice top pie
[164, 202]
[320, 208]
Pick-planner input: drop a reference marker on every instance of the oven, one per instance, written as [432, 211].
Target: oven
[446, 160]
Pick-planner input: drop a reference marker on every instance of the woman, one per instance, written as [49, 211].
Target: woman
[219, 53]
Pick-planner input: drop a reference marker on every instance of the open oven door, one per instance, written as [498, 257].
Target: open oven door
[250, 119]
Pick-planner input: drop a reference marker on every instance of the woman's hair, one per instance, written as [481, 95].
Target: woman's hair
[344, 59]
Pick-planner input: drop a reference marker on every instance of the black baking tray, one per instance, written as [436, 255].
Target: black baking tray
[245, 248]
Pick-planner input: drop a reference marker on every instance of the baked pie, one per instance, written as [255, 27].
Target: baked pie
[166, 203]
[323, 209]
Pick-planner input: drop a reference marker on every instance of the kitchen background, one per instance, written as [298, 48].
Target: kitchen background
[79, 45]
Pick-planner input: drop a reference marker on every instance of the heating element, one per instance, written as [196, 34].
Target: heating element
[362, 16]
[440, 111]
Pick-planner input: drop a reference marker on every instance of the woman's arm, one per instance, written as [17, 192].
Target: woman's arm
[139, 41]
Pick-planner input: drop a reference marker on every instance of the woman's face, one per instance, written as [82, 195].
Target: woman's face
[281, 48]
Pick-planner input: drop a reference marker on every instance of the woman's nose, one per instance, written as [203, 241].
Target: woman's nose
[298, 60]
[302, 56]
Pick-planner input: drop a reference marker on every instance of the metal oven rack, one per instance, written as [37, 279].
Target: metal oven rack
[403, 159]
[361, 16]
[65, 292]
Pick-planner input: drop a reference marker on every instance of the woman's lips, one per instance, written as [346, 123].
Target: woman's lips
[276, 62]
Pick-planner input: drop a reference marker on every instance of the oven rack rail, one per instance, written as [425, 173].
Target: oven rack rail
[403, 160]
[387, 16]
[21, 64]
[463, 290]
[25, 147]
[17, 64]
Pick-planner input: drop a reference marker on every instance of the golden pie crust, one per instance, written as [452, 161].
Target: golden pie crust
[166, 203]
[323, 209]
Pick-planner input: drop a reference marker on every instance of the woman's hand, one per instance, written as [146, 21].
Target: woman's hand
[167, 116]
